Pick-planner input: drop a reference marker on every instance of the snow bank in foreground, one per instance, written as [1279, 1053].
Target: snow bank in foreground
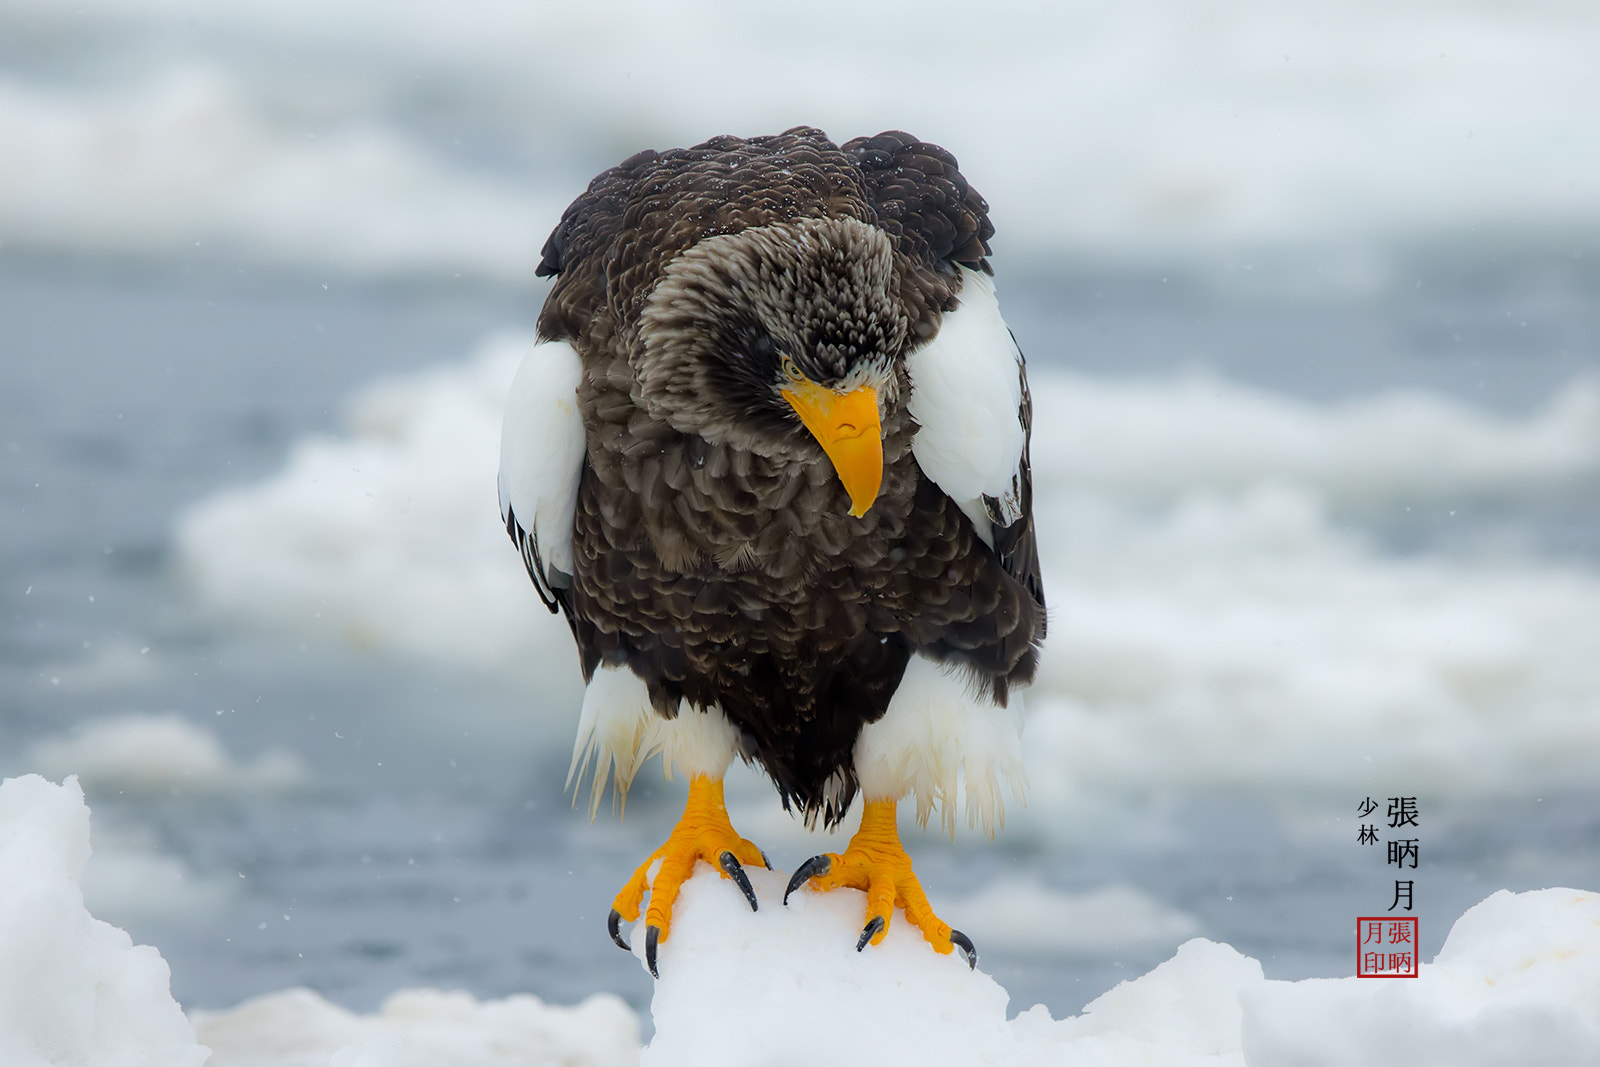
[1211, 623]
[73, 990]
[1518, 981]
[421, 1028]
[159, 753]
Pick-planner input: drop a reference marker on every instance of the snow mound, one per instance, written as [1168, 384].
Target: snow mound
[160, 754]
[421, 1028]
[777, 985]
[74, 991]
[1517, 981]
[1184, 1013]
[783, 985]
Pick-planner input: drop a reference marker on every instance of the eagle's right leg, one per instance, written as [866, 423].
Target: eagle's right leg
[704, 833]
[618, 729]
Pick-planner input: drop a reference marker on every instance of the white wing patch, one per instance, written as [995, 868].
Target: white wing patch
[966, 396]
[541, 459]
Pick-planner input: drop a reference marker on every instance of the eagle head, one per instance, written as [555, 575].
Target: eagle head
[784, 340]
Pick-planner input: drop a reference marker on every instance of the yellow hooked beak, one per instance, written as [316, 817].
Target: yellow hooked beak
[846, 426]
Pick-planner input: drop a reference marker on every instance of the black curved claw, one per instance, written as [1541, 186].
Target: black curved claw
[730, 864]
[614, 928]
[764, 861]
[869, 932]
[964, 943]
[809, 869]
[652, 934]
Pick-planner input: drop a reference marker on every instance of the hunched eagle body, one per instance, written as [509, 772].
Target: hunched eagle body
[770, 460]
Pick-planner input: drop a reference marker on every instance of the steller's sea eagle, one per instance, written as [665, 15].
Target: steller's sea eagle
[770, 460]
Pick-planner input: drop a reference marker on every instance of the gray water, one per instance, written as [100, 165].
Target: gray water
[434, 845]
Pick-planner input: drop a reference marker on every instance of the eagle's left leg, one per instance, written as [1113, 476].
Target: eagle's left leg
[876, 862]
[704, 833]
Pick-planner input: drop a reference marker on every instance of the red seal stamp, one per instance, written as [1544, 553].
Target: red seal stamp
[1386, 947]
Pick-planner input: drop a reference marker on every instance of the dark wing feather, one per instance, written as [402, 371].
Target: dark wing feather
[939, 221]
[923, 201]
[1015, 542]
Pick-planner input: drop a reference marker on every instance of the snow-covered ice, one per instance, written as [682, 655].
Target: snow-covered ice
[74, 991]
[420, 1028]
[1518, 981]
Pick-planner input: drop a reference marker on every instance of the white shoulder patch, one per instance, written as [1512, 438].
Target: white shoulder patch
[541, 459]
[966, 396]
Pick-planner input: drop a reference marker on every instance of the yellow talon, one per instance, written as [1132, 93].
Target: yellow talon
[704, 833]
[877, 863]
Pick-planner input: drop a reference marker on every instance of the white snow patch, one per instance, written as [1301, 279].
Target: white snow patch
[160, 754]
[421, 1028]
[74, 991]
[1184, 1013]
[1101, 922]
[1517, 981]
[784, 984]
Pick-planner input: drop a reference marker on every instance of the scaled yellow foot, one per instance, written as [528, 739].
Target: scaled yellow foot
[704, 833]
[876, 862]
